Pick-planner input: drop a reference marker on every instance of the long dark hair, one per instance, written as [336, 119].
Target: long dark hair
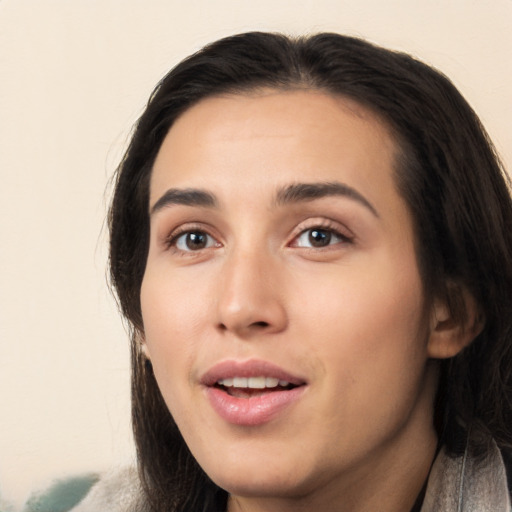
[447, 172]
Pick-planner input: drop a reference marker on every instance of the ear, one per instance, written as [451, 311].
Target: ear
[448, 334]
[143, 347]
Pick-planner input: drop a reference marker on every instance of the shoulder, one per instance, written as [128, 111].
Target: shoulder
[468, 482]
[115, 491]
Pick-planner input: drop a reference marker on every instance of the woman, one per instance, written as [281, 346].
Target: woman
[311, 241]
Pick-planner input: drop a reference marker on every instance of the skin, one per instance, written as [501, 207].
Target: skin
[349, 317]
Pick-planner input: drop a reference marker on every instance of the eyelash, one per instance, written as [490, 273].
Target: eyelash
[327, 228]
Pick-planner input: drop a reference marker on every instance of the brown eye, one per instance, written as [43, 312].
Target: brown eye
[319, 237]
[194, 241]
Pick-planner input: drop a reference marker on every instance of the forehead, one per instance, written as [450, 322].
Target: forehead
[269, 112]
[276, 137]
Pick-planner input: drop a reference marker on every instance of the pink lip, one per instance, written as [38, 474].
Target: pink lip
[250, 368]
[255, 410]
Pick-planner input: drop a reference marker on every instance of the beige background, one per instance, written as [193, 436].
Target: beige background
[74, 76]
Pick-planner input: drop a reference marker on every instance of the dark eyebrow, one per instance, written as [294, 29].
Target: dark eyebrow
[298, 192]
[186, 196]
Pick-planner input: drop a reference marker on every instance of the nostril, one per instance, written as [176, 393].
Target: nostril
[251, 327]
[260, 324]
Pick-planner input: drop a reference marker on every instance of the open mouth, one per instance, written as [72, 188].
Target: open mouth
[253, 392]
[248, 387]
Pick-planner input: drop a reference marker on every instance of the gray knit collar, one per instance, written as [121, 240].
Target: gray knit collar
[467, 483]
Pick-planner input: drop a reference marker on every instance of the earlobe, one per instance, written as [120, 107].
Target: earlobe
[143, 347]
[145, 351]
[449, 333]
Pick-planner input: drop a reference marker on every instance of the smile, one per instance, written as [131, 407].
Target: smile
[251, 393]
[253, 382]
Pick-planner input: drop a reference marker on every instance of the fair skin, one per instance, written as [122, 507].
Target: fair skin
[249, 273]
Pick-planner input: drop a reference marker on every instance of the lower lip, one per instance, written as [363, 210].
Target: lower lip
[255, 410]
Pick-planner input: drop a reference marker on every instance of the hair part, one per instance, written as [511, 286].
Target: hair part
[447, 171]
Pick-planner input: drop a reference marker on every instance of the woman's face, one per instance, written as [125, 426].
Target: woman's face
[282, 304]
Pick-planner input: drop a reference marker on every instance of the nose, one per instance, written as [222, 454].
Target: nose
[251, 301]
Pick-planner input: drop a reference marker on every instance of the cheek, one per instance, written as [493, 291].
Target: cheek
[368, 341]
[370, 297]
[174, 314]
[368, 328]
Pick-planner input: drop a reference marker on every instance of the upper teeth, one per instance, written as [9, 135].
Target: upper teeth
[253, 382]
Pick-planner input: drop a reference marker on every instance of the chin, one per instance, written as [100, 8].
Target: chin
[260, 480]
[263, 487]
